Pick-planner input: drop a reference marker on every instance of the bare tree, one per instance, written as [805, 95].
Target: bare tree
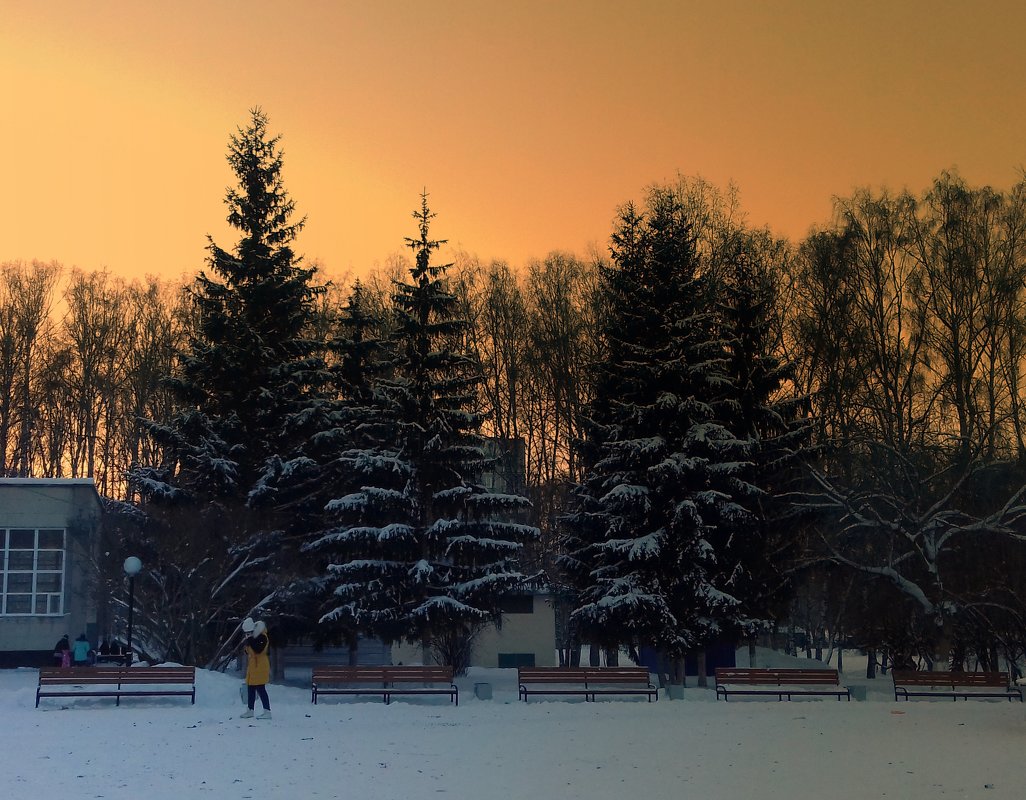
[26, 296]
[915, 361]
[157, 315]
[963, 296]
[96, 332]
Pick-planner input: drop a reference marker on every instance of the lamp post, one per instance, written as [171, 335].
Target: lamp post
[132, 568]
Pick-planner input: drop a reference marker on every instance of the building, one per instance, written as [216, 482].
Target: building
[49, 535]
[526, 637]
[508, 466]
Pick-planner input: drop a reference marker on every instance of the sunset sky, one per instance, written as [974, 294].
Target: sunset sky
[527, 121]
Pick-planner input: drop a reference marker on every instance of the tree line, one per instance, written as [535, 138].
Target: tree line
[722, 432]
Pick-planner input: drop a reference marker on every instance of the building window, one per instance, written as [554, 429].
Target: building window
[32, 571]
[511, 660]
[517, 604]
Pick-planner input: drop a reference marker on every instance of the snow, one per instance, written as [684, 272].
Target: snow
[167, 749]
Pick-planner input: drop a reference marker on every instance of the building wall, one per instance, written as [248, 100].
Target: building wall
[506, 473]
[521, 634]
[523, 639]
[74, 506]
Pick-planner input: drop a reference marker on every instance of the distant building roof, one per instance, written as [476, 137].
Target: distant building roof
[67, 484]
[47, 482]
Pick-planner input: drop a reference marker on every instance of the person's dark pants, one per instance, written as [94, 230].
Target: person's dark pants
[258, 690]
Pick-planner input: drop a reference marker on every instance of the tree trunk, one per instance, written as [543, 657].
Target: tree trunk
[871, 662]
[277, 658]
[703, 679]
[677, 674]
[594, 656]
[751, 652]
[665, 669]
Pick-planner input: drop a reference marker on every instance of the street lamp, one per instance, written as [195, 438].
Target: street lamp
[132, 568]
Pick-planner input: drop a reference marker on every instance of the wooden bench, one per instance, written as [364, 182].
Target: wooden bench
[116, 682]
[783, 682]
[914, 683]
[586, 681]
[386, 681]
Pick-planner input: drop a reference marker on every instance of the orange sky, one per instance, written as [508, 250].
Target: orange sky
[527, 121]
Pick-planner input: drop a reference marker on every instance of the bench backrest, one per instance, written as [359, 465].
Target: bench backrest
[583, 675]
[348, 675]
[617, 675]
[382, 674]
[761, 676]
[929, 678]
[551, 675]
[62, 676]
[426, 674]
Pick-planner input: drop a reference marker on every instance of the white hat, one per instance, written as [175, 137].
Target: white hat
[248, 625]
[259, 628]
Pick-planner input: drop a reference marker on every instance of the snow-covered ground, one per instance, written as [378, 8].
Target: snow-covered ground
[498, 749]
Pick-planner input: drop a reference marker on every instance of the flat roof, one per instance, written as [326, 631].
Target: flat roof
[47, 482]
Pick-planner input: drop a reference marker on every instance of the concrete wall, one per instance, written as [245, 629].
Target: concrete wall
[533, 633]
[73, 505]
[520, 633]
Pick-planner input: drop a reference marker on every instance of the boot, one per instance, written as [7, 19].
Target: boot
[247, 714]
[265, 714]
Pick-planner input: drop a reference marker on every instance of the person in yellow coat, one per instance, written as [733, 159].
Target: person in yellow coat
[258, 666]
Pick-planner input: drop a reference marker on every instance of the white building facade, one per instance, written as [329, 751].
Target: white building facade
[49, 534]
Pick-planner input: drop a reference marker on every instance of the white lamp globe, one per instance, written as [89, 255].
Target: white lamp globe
[132, 566]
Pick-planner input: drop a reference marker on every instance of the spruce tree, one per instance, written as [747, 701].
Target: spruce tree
[755, 552]
[662, 472]
[249, 365]
[340, 446]
[420, 550]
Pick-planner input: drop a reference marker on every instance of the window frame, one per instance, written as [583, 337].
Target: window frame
[516, 603]
[32, 601]
[514, 660]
